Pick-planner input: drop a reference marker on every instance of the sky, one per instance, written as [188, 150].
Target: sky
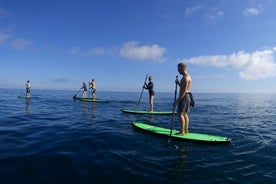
[228, 45]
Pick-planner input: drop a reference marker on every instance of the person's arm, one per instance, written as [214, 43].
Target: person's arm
[145, 86]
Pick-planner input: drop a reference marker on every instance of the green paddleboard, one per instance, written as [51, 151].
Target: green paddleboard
[91, 100]
[79, 98]
[147, 112]
[205, 138]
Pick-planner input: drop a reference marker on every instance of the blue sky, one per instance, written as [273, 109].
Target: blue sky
[228, 46]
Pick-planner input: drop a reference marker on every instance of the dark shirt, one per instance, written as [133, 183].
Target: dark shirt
[149, 87]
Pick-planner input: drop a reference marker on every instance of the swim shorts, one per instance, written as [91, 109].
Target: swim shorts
[185, 104]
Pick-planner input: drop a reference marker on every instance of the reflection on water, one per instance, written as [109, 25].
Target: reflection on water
[93, 112]
[89, 110]
[28, 106]
[180, 162]
[84, 107]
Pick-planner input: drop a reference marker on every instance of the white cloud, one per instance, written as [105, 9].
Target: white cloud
[20, 44]
[252, 66]
[253, 11]
[133, 50]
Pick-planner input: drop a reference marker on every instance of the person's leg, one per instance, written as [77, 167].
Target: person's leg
[94, 94]
[186, 119]
[182, 123]
[84, 94]
[151, 103]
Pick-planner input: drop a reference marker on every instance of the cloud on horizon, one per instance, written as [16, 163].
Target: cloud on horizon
[252, 66]
[61, 80]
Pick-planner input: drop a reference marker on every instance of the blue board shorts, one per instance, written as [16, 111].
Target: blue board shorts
[185, 104]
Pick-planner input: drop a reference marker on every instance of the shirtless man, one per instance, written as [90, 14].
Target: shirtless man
[93, 89]
[184, 99]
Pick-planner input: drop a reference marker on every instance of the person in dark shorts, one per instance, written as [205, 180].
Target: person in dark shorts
[149, 87]
[184, 100]
[93, 89]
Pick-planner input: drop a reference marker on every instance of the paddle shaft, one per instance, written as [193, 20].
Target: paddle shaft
[77, 93]
[142, 91]
[175, 93]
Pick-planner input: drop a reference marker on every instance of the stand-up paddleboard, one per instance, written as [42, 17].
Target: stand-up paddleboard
[92, 100]
[147, 112]
[78, 98]
[205, 138]
[31, 97]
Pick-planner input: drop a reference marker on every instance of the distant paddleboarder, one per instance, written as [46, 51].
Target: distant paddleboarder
[93, 89]
[184, 99]
[149, 87]
[84, 92]
[28, 89]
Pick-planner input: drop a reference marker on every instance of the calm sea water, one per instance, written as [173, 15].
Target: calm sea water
[54, 139]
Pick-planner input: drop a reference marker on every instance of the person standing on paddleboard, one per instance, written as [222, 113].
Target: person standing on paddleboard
[28, 89]
[93, 89]
[184, 99]
[84, 90]
[149, 87]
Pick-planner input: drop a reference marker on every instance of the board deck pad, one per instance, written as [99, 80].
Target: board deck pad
[147, 112]
[189, 137]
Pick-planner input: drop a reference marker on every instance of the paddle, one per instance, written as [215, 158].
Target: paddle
[142, 90]
[76, 93]
[175, 92]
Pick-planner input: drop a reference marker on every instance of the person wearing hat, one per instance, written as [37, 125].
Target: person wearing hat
[149, 87]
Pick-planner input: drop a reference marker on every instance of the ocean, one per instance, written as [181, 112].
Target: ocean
[55, 139]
